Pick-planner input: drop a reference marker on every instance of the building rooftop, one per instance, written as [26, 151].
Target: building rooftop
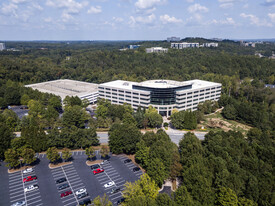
[65, 87]
[196, 84]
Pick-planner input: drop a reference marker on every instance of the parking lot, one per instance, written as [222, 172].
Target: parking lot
[77, 174]
[16, 189]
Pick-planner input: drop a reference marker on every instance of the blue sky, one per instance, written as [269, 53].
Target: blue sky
[135, 19]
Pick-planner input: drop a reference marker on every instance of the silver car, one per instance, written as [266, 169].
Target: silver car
[19, 203]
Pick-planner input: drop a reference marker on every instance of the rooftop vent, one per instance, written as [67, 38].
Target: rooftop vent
[125, 84]
[161, 82]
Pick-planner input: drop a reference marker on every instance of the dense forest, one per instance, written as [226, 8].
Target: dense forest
[227, 168]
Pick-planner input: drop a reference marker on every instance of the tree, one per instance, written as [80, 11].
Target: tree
[55, 102]
[183, 197]
[145, 187]
[12, 158]
[123, 138]
[142, 154]
[53, 155]
[5, 137]
[104, 151]
[102, 201]
[11, 119]
[66, 154]
[74, 116]
[229, 112]
[226, 197]
[154, 119]
[89, 151]
[156, 170]
[36, 109]
[128, 119]
[25, 99]
[164, 199]
[28, 155]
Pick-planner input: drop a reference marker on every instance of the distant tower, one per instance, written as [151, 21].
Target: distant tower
[2, 46]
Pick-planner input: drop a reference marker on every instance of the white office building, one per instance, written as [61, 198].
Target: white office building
[67, 87]
[156, 50]
[184, 45]
[173, 38]
[2, 46]
[164, 95]
[211, 44]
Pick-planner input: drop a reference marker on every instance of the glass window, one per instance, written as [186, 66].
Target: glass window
[115, 90]
[107, 88]
[135, 93]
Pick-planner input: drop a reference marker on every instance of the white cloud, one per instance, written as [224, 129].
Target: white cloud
[254, 20]
[118, 19]
[142, 19]
[197, 8]
[37, 6]
[190, 1]
[148, 4]
[227, 5]
[19, 1]
[9, 9]
[269, 3]
[95, 10]
[48, 20]
[272, 17]
[227, 21]
[70, 6]
[167, 19]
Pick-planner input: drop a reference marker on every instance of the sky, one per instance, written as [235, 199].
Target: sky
[135, 19]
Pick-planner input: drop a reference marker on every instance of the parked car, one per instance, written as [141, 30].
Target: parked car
[28, 170]
[120, 201]
[109, 184]
[127, 161]
[64, 194]
[85, 202]
[63, 179]
[19, 203]
[115, 190]
[80, 191]
[136, 169]
[31, 188]
[82, 195]
[29, 178]
[93, 167]
[61, 187]
[98, 171]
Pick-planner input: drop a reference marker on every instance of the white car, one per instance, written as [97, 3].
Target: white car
[31, 188]
[80, 191]
[19, 203]
[109, 184]
[29, 170]
[104, 162]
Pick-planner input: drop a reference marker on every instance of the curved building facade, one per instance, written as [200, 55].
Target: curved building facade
[164, 95]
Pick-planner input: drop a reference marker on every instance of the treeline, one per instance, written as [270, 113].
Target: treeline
[105, 65]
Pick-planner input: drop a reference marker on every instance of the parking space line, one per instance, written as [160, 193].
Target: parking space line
[13, 196]
[37, 197]
[69, 184]
[35, 202]
[24, 188]
[66, 200]
[121, 181]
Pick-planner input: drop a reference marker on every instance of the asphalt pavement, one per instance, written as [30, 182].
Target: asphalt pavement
[78, 175]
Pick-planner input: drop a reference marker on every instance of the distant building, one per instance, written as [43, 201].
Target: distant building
[173, 38]
[184, 45]
[212, 44]
[2, 46]
[156, 50]
[134, 46]
[271, 86]
[252, 44]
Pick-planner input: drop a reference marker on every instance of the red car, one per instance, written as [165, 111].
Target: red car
[29, 178]
[66, 193]
[99, 170]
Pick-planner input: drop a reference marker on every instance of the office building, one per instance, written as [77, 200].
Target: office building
[156, 50]
[2, 46]
[184, 45]
[164, 95]
[173, 38]
[66, 87]
[211, 44]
